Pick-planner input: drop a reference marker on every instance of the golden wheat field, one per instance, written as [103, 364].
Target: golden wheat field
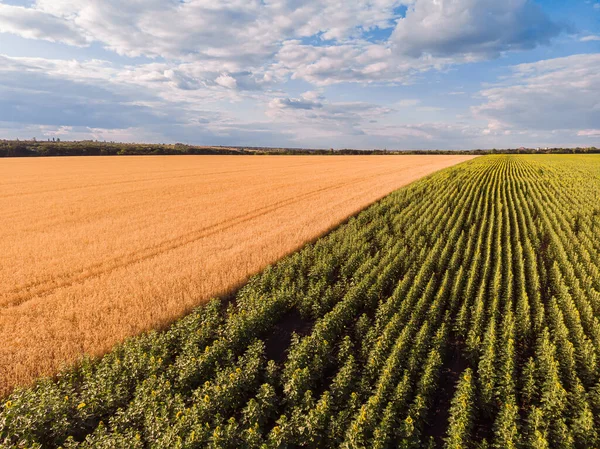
[97, 249]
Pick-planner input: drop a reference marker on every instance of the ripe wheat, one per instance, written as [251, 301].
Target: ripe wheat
[94, 250]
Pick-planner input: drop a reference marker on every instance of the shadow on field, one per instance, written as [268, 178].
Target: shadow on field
[278, 342]
[454, 364]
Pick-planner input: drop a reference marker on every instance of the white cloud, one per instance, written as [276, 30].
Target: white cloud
[99, 94]
[356, 61]
[151, 102]
[294, 103]
[555, 94]
[590, 38]
[320, 118]
[35, 24]
[261, 41]
[98, 100]
[435, 34]
[589, 133]
[312, 95]
[230, 70]
[409, 103]
[226, 81]
[242, 32]
[481, 28]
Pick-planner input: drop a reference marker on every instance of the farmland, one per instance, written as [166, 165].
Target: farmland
[461, 311]
[98, 249]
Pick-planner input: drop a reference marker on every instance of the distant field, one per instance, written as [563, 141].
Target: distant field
[460, 312]
[94, 250]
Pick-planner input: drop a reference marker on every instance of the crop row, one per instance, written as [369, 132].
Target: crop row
[461, 311]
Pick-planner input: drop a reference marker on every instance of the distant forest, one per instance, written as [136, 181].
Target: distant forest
[32, 148]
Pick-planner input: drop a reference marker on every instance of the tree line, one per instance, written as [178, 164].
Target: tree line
[35, 148]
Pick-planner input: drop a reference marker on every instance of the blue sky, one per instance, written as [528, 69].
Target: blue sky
[398, 74]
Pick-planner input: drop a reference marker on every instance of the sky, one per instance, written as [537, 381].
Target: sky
[395, 74]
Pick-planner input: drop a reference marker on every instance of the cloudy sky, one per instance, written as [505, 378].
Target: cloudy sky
[396, 74]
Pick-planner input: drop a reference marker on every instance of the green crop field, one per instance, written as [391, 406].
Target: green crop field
[461, 311]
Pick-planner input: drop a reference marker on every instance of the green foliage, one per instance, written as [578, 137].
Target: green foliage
[17, 148]
[487, 272]
[462, 412]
